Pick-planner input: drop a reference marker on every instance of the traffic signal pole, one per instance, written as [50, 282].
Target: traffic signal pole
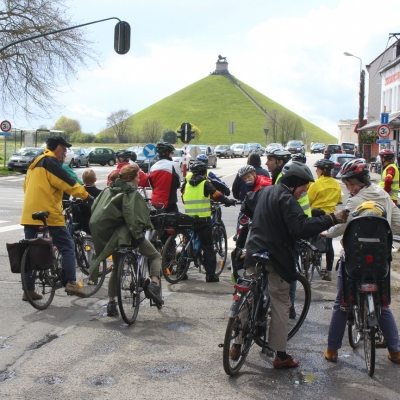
[186, 136]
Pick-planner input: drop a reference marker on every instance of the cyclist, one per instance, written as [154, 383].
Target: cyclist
[216, 182]
[165, 179]
[390, 175]
[355, 176]
[277, 221]
[324, 194]
[119, 216]
[44, 185]
[276, 159]
[196, 194]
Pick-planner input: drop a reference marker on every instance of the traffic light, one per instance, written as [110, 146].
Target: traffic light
[186, 132]
[122, 37]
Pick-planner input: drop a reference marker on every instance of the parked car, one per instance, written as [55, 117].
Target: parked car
[256, 148]
[240, 150]
[271, 146]
[349, 148]
[224, 150]
[81, 158]
[177, 156]
[339, 160]
[317, 148]
[21, 160]
[144, 162]
[209, 152]
[332, 149]
[101, 155]
[295, 146]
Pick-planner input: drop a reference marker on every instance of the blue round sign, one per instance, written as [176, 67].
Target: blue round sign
[149, 150]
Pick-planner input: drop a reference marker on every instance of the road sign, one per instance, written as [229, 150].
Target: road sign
[5, 134]
[384, 131]
[384, 118]
[194, 151]
[5, 126]
[150, 151]
[383, 141]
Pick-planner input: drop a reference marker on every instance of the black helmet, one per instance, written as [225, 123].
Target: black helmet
[198, 168]
[324, 164]
[356, 168]
[164, 147]
[279, 154]
[300, 157]
[296, 174]
[245, 170]
[123, 155]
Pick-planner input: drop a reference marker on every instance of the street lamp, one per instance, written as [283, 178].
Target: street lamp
[361, 100]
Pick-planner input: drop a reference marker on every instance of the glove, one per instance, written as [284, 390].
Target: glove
[89, 200]
[231, 202]
[340, 217]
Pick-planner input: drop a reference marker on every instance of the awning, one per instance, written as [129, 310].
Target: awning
[394, 122]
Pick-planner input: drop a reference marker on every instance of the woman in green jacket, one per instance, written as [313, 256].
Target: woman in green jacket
[119, 217]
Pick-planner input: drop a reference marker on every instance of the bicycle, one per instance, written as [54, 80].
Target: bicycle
[249, 315]
[310, 258]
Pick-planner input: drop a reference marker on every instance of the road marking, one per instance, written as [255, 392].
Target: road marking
[10, 228]
[14, 179]
[2, 222]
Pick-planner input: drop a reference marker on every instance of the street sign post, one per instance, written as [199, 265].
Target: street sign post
[5, 126]
[384, 131]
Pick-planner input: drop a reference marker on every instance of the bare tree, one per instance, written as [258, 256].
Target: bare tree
[31, 72]
[151, 131]
[120, 124]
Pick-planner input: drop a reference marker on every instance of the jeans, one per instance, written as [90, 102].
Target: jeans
[65, 245]
[338, 324]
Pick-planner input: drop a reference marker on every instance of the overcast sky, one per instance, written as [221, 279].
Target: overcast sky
[289, 50]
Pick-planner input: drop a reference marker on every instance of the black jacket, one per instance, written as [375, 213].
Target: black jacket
[277, 221]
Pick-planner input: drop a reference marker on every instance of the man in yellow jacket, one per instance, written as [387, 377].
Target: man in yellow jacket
[390, 175]
[44, 185]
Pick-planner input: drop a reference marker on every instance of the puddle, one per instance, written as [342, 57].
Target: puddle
[7, 376]
[178, 326]
[103, 381]
[164, 370]
[50, 380]
[42, 342]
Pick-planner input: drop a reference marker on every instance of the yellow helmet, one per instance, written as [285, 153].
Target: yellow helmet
[368, 209]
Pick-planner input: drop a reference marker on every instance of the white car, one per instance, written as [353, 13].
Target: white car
[240, 150]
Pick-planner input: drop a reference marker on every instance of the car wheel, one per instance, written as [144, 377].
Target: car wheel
[233, 156]
[87, 164]
[72, 163]
[78, 164]
[111, 162]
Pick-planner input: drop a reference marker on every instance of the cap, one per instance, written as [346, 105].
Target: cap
[53, 141]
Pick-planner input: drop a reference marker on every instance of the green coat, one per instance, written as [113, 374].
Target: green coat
[119, 215]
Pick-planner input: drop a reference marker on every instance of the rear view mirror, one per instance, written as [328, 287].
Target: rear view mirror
[122, 37]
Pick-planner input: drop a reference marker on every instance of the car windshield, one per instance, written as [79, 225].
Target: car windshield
[221, 147]
[177, 153]
[295, 143]
[342, 160]
[29, 152]
[76, 150]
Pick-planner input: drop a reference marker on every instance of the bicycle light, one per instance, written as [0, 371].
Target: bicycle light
[369, 259]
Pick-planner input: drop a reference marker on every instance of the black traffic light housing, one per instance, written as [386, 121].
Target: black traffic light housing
[186, 132]
[122, 37]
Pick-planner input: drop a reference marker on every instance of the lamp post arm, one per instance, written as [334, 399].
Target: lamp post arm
[52, 32]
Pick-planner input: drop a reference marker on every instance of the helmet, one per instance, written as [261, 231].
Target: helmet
[386, 154]
[368, 209]
[299, 157]
[324, 164]
[279, 154]
[164, 147]
[199, 168]
[298, 172]
[355, 168]
[245, 170]
[203, 158]
[123, 155]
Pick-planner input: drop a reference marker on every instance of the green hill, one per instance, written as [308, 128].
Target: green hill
[211, 103]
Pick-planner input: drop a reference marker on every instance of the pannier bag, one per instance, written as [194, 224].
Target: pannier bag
[15, 254]
[41, 253]
[178, 220]
[158, 221]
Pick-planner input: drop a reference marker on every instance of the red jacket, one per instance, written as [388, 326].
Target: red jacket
[261, 181]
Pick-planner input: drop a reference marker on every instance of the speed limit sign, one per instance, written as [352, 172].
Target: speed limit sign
[5, 126]
[384, 131]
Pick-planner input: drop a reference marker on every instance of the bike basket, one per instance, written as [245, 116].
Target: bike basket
[367, 244]
[15, 254]
[321, 244]
[178, 220]
[41, 253]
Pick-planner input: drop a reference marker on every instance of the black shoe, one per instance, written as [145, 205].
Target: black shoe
[153, 292]
[212, 278]
[292, 313]
[112, 309]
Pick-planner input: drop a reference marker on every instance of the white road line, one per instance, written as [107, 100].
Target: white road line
[15, 179]
[11, 228]
[2, 222]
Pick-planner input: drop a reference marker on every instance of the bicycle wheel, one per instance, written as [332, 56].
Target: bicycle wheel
[220, 242]
[369, 340]
[318, 263]
[84, 252]
[129, 287]
[175, 257]
[353, 330]
[302, 301]
[308, 265]
[43, 281]
[238, 337]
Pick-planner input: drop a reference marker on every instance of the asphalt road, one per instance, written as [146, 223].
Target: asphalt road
[73, 350]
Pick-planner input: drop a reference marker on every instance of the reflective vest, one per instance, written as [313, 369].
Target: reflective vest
[394, 189]
[196, 204]
[303, 200]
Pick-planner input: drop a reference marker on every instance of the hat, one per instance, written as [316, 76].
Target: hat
[53, 141]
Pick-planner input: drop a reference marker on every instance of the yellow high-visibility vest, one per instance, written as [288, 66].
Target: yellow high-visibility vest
[196, 204]
[394, 190]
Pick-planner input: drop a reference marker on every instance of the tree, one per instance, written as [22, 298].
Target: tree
[68, 125]
[120, 124]
[151, 131]
[169, 136]
[80, 137]
[32, 72]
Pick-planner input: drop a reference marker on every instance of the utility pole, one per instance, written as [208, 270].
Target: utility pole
[361, 110]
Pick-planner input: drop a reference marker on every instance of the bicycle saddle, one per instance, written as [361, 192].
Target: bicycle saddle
[261, 256]
[41, 215]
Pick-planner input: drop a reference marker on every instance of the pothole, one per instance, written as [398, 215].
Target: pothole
[42, 342]
[101, 381]
[7, 376]
[50, 380]
[177, 326]
[164, 370]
